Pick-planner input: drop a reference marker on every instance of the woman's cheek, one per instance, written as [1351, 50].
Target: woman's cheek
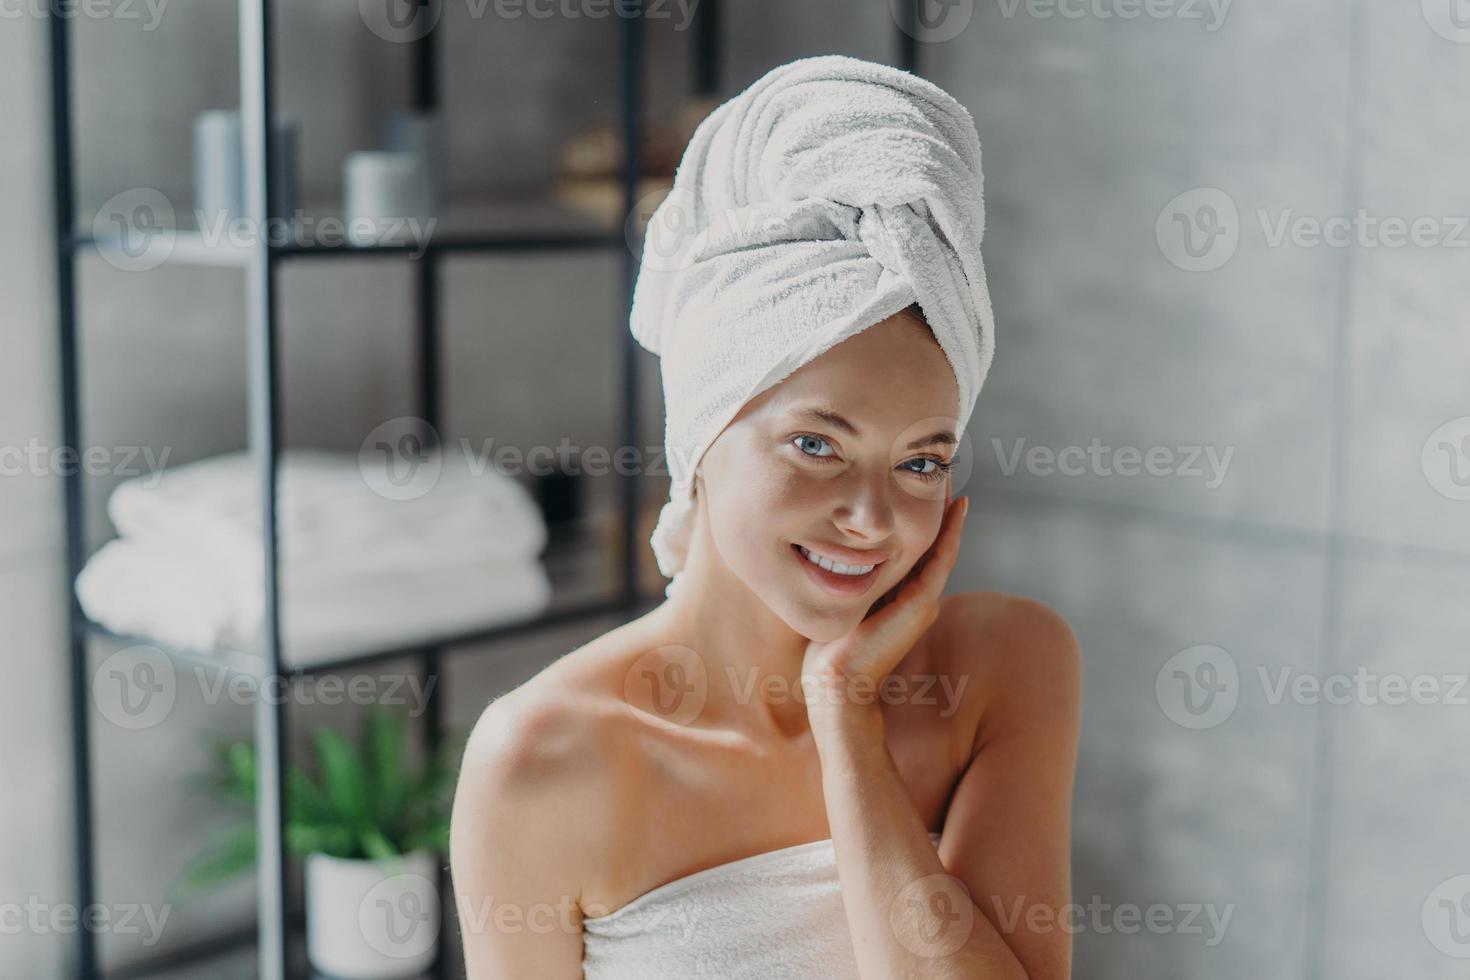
[922, 519]
[782, 484]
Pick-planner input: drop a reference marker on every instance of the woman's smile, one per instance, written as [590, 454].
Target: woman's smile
[837, 576]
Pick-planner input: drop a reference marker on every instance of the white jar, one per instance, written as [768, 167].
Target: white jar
[388, 197]
[372, 920]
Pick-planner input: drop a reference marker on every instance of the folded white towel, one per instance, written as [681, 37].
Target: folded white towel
[139, 588]
[142, 588]
[330, 514]
[827, 196]
[358, 570]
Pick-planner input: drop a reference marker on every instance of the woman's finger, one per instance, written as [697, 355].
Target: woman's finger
[898, 625]
[946, 550]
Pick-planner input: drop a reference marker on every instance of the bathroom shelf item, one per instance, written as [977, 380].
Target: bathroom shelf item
[277, 935]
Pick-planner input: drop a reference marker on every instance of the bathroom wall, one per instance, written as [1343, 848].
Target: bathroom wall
[1323, 545]
[1299, 519]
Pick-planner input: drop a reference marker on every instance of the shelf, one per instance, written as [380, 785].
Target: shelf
[591, 214]
[232, 956]
[581, 591]
[251, 664]
[565, 219]
[185, 248]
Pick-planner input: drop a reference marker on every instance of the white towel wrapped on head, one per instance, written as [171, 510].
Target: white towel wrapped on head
[826, 197]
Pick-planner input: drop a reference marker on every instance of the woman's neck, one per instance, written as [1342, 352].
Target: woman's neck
[752, 658]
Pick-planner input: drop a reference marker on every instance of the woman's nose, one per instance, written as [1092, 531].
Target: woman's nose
[865, 509]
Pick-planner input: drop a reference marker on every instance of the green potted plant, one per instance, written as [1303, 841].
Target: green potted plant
[370, 829]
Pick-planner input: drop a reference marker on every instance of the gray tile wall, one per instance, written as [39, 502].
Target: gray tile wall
[1332, 539]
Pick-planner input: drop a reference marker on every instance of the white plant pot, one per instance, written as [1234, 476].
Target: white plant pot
[372, 920]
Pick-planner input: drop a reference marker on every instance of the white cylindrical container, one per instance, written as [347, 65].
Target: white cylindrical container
[416, 131]
[385, 197]
[219, 166]
[372, 920]
[218, 157]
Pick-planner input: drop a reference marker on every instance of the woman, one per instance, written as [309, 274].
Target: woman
[807, 761]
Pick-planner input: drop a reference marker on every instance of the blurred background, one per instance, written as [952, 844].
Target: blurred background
[1226, 434]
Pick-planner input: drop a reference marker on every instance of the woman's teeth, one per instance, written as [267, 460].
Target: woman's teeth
[833, 566]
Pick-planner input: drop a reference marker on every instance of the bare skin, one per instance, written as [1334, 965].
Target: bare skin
[578, 793]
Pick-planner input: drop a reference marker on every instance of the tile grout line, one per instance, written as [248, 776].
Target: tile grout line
[1319, 827]
[1241, 531]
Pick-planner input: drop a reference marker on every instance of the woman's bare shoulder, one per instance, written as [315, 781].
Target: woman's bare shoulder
[564, 721]
[542, 795]
[1013, 643]
[1004, 614]
[549, 764]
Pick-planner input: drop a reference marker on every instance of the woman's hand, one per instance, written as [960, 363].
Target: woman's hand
[841, 678]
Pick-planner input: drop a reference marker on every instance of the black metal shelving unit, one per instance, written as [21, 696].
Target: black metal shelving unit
[259, 262]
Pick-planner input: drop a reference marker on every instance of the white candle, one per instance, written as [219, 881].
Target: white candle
[219, 166]
[386, 202]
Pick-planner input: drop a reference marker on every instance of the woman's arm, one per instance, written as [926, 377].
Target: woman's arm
[994, 906]
[514, 857]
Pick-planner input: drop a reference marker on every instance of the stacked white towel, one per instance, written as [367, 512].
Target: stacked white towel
[358, 570]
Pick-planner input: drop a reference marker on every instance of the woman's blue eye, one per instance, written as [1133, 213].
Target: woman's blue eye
[941, 467]
[812, 438]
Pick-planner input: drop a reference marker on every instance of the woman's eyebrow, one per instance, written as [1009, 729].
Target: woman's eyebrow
[832, 418]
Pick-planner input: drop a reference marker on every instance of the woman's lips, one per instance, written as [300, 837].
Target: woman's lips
[843, 585]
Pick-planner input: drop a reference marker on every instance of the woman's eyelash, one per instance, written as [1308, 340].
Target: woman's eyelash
[808, 435]
[941, 466]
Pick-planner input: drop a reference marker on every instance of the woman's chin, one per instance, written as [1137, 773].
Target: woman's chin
[818, 627]
[819, 619]
[829, 635]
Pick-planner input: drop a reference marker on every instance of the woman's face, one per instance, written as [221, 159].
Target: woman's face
[848, 458]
